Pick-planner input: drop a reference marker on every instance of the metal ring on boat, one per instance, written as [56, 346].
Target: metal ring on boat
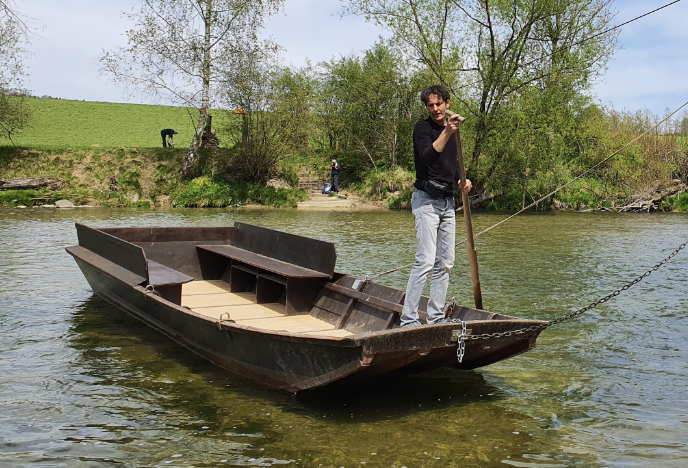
[150, 289]
[228, 319]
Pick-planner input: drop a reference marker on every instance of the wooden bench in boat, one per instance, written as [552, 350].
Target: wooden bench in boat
[166, 281]
[276, 266]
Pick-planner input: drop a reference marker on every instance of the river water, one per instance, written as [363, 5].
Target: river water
[84, 384]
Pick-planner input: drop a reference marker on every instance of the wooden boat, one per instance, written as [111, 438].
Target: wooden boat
[270, 306]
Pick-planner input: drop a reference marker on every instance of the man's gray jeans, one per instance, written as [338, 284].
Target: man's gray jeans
[435, 237]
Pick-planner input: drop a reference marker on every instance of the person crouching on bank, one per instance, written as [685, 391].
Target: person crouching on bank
[168, 132]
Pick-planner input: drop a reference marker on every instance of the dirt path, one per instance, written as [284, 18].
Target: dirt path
[319, 201]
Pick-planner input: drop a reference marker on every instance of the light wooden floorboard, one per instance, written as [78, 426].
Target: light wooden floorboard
[212, 299]
[244, 311]
[340, 332]
[294, 323]
[218, 300]
[205, 287]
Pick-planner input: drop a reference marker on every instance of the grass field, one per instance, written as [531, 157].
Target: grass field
[60, 142]
[60, 124]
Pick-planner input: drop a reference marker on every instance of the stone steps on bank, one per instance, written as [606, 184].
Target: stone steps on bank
[313, 187]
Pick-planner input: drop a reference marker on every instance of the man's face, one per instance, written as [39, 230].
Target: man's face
[437, 108]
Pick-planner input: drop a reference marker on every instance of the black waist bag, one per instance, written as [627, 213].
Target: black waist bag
[437, 189]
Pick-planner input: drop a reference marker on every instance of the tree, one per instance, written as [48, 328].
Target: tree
[371, 104]
[492, 53]
[180, 50]
[276, 111]
[15, 112]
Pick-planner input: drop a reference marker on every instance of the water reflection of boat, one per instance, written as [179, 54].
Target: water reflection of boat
[269, 305]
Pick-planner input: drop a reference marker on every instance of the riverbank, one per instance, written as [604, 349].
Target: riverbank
[105, 154]
[128, 177]
[147, 178]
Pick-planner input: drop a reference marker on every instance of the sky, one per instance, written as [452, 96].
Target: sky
[647, 72]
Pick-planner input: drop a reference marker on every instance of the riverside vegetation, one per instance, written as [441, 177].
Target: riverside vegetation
[522, 74]
[91, 145]
[110, 155]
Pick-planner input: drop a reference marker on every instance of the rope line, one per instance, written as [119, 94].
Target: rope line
[579, 176]
[369, 277]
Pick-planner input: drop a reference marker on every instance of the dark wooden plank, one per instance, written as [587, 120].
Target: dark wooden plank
[105, 265]
[263, 262]
[383, 292]
[172, 234]
[118, 251]
[247, 268]
[160, 275]
[391, 321]
[172, 293]
[325, 315]
[346, 281]
[181, 256]
[212, 266]
[347, 313]
[301, 293]
[365, 318]
[241, 281]
[268, 291]
[271, 277]
[332, 302]
[365, 298]
[311, 254]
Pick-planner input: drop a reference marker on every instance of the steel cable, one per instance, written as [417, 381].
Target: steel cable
[369, 277]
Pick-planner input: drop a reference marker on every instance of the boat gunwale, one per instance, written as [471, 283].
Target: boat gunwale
[354, 340]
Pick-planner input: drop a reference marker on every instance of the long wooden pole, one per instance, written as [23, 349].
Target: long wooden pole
[472, 254]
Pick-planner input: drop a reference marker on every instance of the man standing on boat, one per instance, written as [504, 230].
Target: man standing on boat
[437, 172]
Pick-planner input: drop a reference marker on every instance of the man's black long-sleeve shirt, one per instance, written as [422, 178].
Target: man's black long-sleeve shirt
[441, 167]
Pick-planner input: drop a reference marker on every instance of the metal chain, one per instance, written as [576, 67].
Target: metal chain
[461, 349]
[533, 328]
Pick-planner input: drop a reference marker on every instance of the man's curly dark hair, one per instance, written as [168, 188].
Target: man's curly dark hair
[438, 90]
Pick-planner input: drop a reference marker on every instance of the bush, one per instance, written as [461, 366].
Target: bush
[679, 203]
[378, 184]
[18, 197]
[402, 202]
[203, 192]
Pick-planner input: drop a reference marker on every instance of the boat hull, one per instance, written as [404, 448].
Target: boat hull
[283, 362]
[361, 339]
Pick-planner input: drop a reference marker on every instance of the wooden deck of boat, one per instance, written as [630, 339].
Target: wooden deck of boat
[212, 298]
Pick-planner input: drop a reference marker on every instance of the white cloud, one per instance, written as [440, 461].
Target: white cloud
[73, 35]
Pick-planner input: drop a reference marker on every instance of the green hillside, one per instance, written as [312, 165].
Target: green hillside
[59, 124]
[60, 142]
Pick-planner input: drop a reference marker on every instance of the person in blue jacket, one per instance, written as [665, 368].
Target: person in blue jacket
[335, 176]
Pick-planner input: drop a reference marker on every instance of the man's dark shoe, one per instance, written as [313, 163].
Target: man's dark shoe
[446, 320]
[415, 323]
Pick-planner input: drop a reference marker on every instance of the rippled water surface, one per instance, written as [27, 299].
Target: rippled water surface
[84, 384]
